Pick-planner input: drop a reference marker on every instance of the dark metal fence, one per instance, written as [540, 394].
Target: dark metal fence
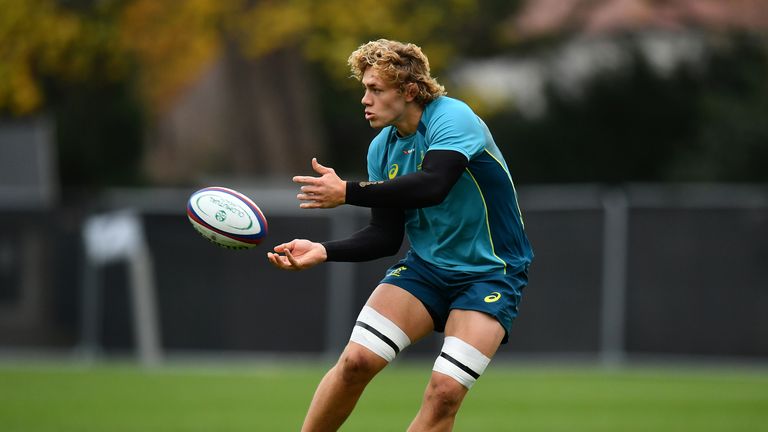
[670, 270]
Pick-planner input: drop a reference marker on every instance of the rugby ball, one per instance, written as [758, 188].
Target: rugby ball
[227, 217]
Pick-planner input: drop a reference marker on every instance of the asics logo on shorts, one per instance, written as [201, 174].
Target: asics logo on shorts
[494, 296]
[396, 272]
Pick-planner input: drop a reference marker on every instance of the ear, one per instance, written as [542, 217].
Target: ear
[411, 91]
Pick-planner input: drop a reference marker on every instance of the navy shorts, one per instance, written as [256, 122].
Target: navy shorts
[496, 294]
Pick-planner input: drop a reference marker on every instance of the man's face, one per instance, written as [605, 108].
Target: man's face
[384, 103]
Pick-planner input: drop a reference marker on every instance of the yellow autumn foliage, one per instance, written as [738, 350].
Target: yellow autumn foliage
[35, 36]
[169, 43]
[172, 41]
[328, 31]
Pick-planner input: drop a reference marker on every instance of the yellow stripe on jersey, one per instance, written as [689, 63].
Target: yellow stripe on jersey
[509, 175]
[487, 222]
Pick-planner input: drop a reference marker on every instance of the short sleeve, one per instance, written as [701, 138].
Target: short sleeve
[376, 155]
[454, 126]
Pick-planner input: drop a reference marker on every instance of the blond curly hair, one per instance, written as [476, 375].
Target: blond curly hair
[399, 64]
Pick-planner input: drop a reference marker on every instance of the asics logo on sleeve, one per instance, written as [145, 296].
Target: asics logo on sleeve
[495, 296]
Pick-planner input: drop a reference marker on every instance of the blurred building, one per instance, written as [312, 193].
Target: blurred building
[546, 17]
[587, 39]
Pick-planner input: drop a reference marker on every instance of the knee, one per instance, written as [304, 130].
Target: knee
[357, 366]
[444, 395]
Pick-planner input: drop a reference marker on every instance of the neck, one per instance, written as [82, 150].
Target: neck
[409, 121]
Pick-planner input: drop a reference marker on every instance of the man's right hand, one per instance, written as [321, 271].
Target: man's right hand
[298, 254]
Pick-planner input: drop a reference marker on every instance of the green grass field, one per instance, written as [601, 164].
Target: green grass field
[508, 397]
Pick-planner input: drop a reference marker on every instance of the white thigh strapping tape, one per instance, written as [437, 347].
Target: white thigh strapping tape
[461, 361]
[380, 335]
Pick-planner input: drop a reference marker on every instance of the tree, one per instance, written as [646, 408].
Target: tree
[163, 48]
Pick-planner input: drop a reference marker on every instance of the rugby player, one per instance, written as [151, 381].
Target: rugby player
[435, 174]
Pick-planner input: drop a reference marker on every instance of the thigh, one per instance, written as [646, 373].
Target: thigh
[423, 282]
[478, 329]
[498, 296]
[403, 309]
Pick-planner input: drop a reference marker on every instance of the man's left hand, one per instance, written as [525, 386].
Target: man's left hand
[326, 191]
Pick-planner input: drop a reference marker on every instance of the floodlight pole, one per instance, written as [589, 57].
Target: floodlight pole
[613, 301]
[145, 321]
[90, 312]
[341, 276]
[119, 236]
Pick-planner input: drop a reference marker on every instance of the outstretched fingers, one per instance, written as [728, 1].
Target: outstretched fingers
[292, 260]
[307, 180]
[286, 261]
[280, 261]
[320, 169]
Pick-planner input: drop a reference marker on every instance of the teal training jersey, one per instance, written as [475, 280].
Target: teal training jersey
[478, 228]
